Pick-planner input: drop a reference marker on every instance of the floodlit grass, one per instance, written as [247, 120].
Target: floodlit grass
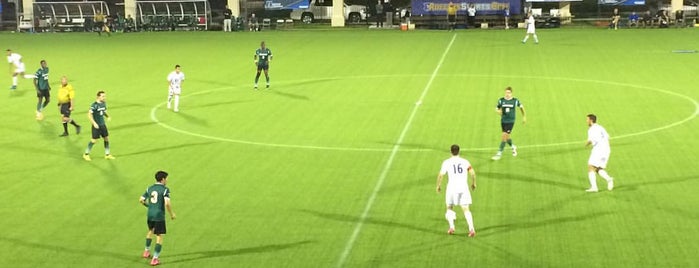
[335, 165]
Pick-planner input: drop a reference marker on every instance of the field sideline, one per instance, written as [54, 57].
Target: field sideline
[335, 165]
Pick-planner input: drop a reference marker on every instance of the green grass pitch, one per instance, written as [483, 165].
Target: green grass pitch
[335, 165]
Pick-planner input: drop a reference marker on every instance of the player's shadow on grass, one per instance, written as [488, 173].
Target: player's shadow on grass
[132, 125]
[369, 220]
[535, 223]
[168, 148]
[31, 246]
[209, 105]
[621, 185]
[291, 96]
[528, 179]
[48, 130]
[193, 119]
[193, 256]
[18, 93]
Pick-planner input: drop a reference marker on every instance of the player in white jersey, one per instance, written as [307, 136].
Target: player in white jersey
[457, 188]
[531, 29]
[598, 137]
[15, 61]
[174, 81]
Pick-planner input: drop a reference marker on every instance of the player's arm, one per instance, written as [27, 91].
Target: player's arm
[36, 81]
[524, 115]
[71, 96]
[142, 200]
[498, 110]
[473, 175]
[92, 119]
[254, 59]
[168, 206]
[440, 176]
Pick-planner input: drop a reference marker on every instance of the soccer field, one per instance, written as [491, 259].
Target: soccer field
[335, 165]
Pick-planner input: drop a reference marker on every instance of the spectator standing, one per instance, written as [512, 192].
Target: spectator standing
[227, 13]
[471, 15]
[380, 14]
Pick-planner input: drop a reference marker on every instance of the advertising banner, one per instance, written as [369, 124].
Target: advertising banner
[622, 2]
[483, 7]
[285, 4]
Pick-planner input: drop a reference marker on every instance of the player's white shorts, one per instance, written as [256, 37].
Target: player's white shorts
[175, 90]
[463, 199]
[19, 68]
[531, 30]
[598, 159]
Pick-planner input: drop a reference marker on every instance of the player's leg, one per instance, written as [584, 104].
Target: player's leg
[105, 136]
[169, 98]
[610, 181]
[603, 158]
[257, 76]
[39, 98]
[177, 102]
[526, 37]
[95, 136]
[536, 39]
[47, 99]
[159, 231]
[469, 220]
[591, 170]
[14, 80]
[450, 215]
[149, 241]
[267, 75]
[64, 120]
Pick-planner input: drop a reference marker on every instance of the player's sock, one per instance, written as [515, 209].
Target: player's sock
[525, 38]
[14, 80]
[450, 216]
[89, 147]
[469, 220]
[177, 102]
[38, 106]
[267, 78]
[65, 127]
[536, 39]
[502, 146]
[593, 179]
[603, 173]
[509, 142]
[158, 248]
[46, 102]
[106, 148]
[257, 78]
[72, 122]
[148, 242]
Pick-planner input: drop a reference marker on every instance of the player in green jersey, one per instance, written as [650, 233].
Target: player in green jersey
[41, 83]
[262, 58]
[506, 109]
[157, 199]
[97, 113]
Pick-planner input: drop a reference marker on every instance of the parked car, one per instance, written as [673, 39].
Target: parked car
[323, 10]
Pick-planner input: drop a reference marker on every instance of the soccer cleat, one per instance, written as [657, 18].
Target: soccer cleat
[471, 233]
[39, 116]
[154, 262]
[592, 190]
[13, 87]
[610, 184]
[177, 110]
[65, 134]
[168, 105]
[87, 157]
[109, 157]
[514, 150]
[267, 86]
[77, 129]
[450, 231]
[146, 254]
[255, 87]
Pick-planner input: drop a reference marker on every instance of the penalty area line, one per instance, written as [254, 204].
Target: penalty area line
[396, 147]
